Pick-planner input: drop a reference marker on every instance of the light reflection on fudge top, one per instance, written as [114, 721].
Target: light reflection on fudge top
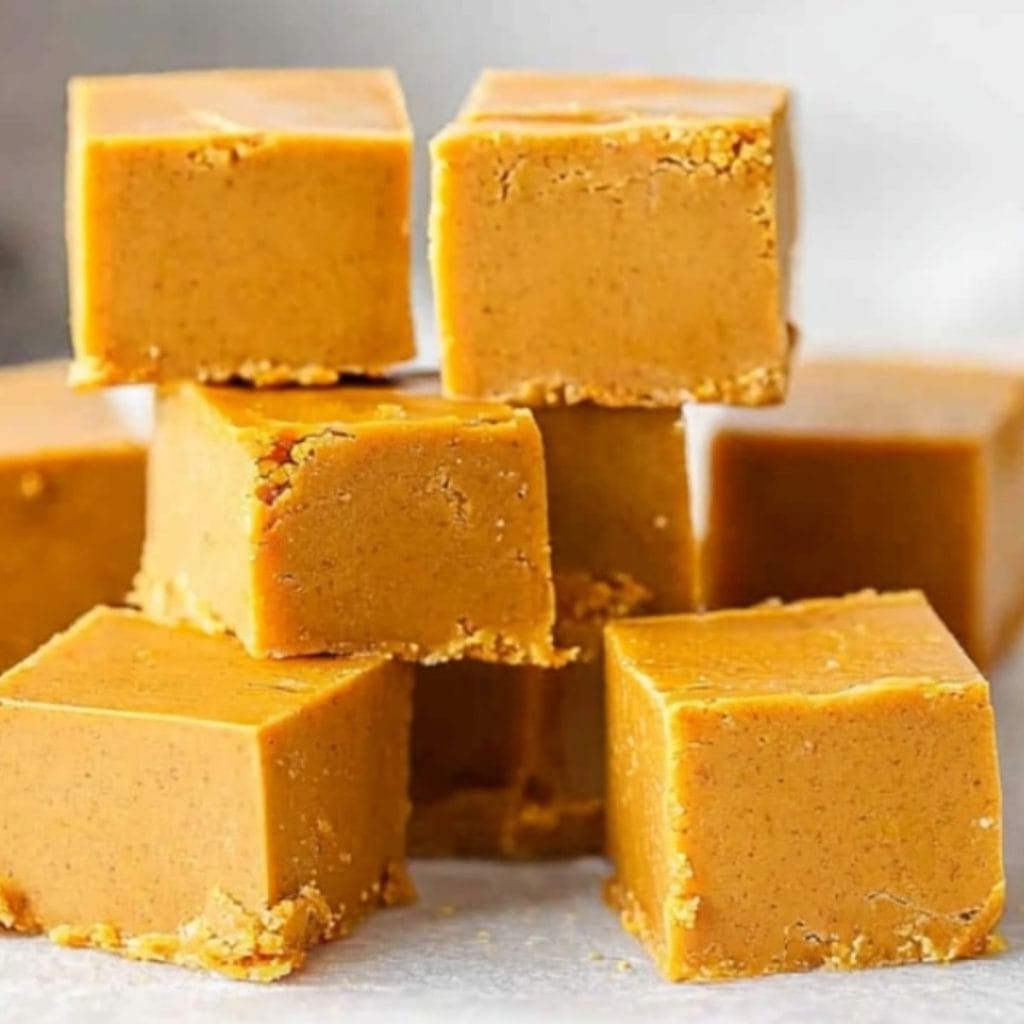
[810, 647]
[410, 402]
[239, 102]
[565, 96]
[117, 660]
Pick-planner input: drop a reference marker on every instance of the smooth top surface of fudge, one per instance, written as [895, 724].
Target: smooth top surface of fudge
[879, 399]
[117, 660]
[299, 101]
[38, 412]
[500, 95]
[815, 647]
[352, 406]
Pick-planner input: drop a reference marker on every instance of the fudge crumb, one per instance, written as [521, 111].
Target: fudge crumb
[31, 484]
[15, 915]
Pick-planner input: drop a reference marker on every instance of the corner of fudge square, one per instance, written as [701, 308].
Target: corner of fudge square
[351, 520]
[801, 786]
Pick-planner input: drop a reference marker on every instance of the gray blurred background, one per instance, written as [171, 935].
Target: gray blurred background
[909, 128]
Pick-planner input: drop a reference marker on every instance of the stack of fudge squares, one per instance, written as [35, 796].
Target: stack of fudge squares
[383, 614]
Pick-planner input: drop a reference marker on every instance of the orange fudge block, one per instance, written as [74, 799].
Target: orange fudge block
[509, 761]
[614, 238]
[238, 224]
[72, 496]
[206, 809]
[350, 520]
[880, 475]
[806, 785]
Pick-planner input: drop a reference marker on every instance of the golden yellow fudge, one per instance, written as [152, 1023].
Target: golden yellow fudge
[881, 475]
[72, 494]
[205, 809]
[509, 761]
[805, 785]
[350, 520]
[615, 238]
[238, 224]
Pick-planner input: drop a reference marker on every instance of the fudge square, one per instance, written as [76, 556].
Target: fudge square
[205, 809]
[350, 520]
[508, 761]
[72, 497]
[614, 238]
[883, 475]
[803, 785]
[249, 224]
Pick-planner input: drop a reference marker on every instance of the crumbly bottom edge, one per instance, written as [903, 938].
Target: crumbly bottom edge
[226, 938]
[766, 385]
[975, 938]
[175, 603]
[505, 824]
[93, 371]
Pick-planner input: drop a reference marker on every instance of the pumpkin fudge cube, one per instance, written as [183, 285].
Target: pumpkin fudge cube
[350, 520]
[805, 785]
[509, 761]
[238, 224]
[614, 238]
[168, 798]
[882, 475]
[72, 496]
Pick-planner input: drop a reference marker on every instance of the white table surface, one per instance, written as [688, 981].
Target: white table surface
[496, 942]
